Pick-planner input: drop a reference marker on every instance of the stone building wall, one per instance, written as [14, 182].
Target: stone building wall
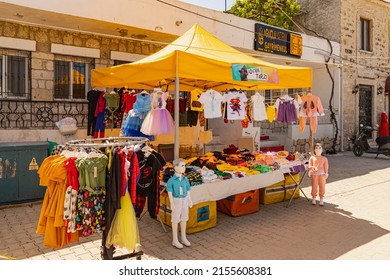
[303, 145]
[321, 16]
[362, 67]
[359, 67]
[42, 60]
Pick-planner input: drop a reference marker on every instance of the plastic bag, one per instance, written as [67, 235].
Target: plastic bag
[67, 126]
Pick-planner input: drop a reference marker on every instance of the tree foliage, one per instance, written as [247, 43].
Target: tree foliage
[267, 11]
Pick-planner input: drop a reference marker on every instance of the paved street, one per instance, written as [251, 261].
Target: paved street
[353, 224]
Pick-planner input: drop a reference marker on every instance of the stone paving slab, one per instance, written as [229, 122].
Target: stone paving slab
[354, 224]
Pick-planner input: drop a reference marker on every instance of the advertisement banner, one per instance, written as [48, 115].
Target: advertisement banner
[251, 73]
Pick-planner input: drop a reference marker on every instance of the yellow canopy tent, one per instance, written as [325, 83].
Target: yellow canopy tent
[199, 59]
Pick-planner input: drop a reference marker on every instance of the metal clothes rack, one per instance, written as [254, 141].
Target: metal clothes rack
[108, 254]
[107, 142]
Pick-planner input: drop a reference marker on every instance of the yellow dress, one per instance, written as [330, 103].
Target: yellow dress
[271, 113]
[124, 228]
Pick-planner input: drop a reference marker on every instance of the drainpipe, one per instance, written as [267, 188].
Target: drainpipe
[341, 94]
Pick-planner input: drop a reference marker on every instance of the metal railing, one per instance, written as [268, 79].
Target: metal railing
[18, 114]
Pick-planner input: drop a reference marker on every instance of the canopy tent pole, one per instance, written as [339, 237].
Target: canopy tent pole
[176, 112]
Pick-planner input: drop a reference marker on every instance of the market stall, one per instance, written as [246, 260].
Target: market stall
[197, 59]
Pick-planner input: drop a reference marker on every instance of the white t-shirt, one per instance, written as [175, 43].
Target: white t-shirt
[212, 101]
[259, 113]
[235, 105]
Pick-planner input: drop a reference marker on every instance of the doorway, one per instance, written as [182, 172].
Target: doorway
[365, 105]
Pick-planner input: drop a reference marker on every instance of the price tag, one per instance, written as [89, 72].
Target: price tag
[95, 172]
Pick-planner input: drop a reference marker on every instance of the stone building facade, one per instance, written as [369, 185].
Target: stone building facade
[362, 27]
[42, 58]
[30, 111]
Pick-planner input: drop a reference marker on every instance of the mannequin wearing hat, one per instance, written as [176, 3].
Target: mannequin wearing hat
[318, 171]
[178, 188]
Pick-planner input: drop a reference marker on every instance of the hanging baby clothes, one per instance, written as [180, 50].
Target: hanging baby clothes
[136, 116]
[158, 120]
[286, 108]
[112, 202]
[259, 113]
[271, 113]
[311, 108]
[70, 203]
[92, 97]
[123, 230]
[99, 115]
[212, 102]
[91, 195]
[113, 115]
[235, 105]
[127, 101]
[148, 185]
[53, 175]
[194, 107]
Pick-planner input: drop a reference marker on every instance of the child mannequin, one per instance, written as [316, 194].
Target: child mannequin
[318, 171]
[178, 188]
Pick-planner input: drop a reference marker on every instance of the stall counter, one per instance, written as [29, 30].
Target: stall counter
[218, 190]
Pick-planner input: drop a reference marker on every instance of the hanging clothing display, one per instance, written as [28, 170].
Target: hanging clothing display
[195, 105]
[122, 233]
[113, 113]
[92, 97]
[259, 111]
[136, 116]
[148, 185]
[235, 105]
[271, 113]
[212, 101]
[87, 194]
[311, 108]
[158, 120]
[112, 100]
[286, 108]
[384, 126]
[99, 115]
[128, 100]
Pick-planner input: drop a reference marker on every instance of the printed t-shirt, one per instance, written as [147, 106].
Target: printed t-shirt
[195, 105]
[235, 105]
[212, 101]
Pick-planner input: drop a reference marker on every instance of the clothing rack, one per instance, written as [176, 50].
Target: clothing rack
[107, 254]
[107, 142]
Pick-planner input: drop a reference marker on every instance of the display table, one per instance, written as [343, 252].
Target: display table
[224, 188]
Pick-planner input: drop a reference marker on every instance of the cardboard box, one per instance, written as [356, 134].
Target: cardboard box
[288, 179]
[240, 204]
[271, 195]
[246, 143]
[202, 216]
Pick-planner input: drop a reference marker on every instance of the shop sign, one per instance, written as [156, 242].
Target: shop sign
[277, 41]
[252, 73]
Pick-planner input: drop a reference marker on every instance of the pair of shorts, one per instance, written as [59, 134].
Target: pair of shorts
[181, 210]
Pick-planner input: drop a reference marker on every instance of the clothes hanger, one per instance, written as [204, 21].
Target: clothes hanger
[94, 153]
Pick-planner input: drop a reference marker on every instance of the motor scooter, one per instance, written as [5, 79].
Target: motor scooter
[361, 144]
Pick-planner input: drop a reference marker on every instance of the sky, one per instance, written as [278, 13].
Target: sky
[218, 5]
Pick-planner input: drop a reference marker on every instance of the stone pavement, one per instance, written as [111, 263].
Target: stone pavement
[353, 224]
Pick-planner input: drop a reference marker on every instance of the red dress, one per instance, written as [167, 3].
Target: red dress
[384, 126]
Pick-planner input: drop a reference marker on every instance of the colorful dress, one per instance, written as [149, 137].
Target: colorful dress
[158, 120]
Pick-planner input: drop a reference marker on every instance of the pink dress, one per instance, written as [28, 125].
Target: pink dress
[158, 121]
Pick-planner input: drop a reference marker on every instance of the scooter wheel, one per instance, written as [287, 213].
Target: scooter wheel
[357, 150]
